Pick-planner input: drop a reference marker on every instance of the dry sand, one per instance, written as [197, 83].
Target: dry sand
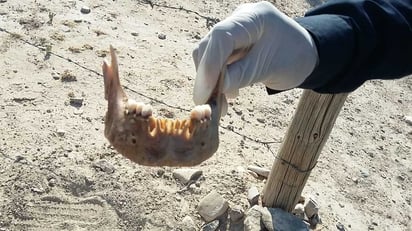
[57, 171]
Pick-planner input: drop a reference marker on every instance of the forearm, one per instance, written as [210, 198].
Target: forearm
[357, 41]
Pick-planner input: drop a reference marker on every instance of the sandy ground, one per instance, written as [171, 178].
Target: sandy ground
[57, 171]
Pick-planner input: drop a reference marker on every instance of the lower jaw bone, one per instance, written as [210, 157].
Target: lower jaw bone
[135, 133]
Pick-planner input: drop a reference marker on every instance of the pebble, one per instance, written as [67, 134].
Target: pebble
[37, 190]
[259, 170]
[184, 175]
[261, 120]
[135, 34]
[55, 75]
[3, 1]
[104, 166]
[52, 182]
[311, 207]
[408, 120]
[340, 227]
[211, 226]
[212, 206]
[78, 112]
[76, 102]
[161, 36]
[60, 132]
[20, 159]
[364, 173]
[236, 213]
[253, 196]
[85, 10]
[188, 224]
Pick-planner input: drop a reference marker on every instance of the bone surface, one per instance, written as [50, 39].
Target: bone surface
[135, 133]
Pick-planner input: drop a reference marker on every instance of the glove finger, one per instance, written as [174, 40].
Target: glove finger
[198, 52]
[234, 33]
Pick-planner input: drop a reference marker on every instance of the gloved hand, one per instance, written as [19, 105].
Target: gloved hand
[259, 44]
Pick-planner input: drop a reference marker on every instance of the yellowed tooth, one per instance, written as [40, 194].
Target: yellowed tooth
[169, 126]
[147, 110]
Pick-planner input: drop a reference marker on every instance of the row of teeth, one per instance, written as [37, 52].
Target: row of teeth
[200, 112]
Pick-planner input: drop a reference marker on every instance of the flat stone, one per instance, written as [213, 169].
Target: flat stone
[311, 207]
[282, 220]
[212, 206]
[253, 195]
[211, 226]
[259, 170]
[60, 132]
[104, 166]
[184, 175]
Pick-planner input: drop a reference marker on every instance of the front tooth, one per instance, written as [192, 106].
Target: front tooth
[146, 110]
[197, 113]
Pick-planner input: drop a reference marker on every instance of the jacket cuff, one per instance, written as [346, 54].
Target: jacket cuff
[335, 42]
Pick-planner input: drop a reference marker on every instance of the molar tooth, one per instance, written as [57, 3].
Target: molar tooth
[197, 113]
[207, 110]
[146, 110]
[139, 107]
[130, 106]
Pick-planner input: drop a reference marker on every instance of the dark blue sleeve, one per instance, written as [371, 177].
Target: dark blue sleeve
[359, 40]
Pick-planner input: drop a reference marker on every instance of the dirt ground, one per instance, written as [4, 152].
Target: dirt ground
[58, 172]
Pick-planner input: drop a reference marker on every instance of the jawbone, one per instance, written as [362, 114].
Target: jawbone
[135, 133]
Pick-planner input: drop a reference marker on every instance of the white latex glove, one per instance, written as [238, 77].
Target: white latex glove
[274, 49]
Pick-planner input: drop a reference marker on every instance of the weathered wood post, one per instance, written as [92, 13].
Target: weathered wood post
[310, 128]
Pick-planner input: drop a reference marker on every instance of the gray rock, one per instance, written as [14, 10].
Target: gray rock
[184, 175]
[236, 213]
[340, 227]
[253, 195]
[212, 206]
[161, 36]
[211, 226]
[314, 220]
[85, 10]
[188, 224]
[311, 207]
[282, 220]
[76, 102]
[60, 132]
[104, 166]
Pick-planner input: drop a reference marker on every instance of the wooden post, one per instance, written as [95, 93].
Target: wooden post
[310, 128]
